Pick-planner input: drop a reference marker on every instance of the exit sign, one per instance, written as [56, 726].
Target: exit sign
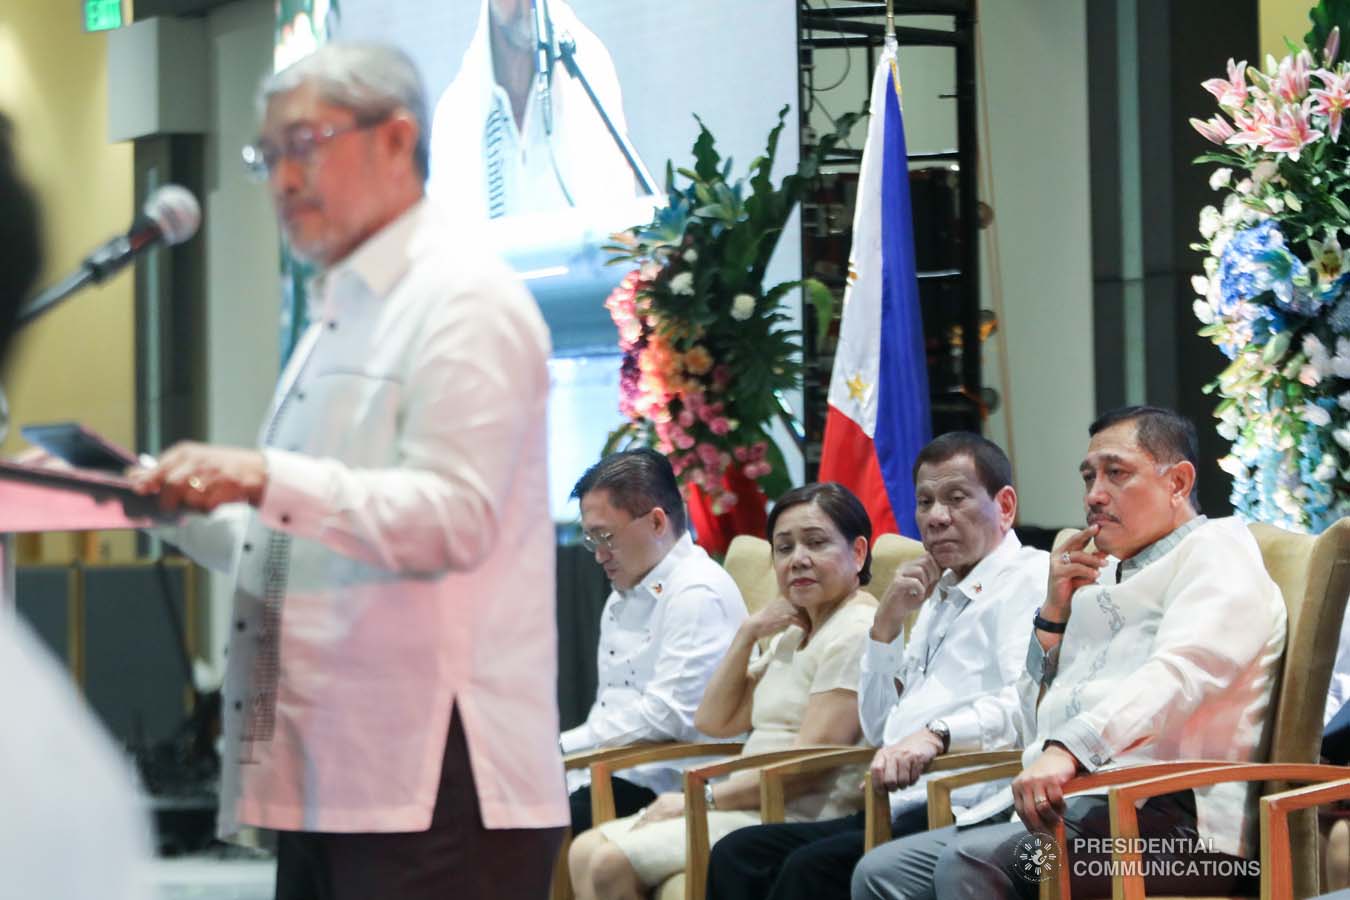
[102, 15]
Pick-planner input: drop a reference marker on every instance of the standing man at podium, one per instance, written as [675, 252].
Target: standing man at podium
[389, 705]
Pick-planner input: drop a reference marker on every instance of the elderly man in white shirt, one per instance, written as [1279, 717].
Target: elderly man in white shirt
[952, 687]
[491, 151]
[390, 701]
[1160, 644]
[666, 625]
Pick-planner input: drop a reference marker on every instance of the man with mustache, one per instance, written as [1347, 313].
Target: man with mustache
[666, 625]
[492, 153]
[389, 703]
[1161, 643]
[949, 689]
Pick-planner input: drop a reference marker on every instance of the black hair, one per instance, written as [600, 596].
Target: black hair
[843, 508]
[991, 463]
[20, 236]
[638, 481]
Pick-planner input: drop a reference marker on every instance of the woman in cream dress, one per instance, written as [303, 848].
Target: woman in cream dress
[802, 691]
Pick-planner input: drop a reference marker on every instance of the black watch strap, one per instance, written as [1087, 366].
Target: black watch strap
[1047, 625]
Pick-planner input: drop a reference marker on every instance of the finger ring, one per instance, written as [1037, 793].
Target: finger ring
[1041, 801]
[1065, 558]
[195, 483]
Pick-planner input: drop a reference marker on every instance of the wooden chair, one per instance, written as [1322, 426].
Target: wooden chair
[1313, 574]
[749, 564]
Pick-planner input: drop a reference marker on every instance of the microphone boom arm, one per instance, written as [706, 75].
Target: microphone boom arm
[567, 52]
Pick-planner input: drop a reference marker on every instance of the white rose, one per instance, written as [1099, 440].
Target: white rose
[682, 283]
[742, 307]
[1244, 186]
[1264, 171]
[1209, 222]
[1220, 178]
[1310, 375]
[691, 256]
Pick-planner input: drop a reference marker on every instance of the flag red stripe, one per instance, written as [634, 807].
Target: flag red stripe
[848, 457]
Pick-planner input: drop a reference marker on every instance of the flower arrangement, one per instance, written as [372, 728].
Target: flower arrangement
[706, 348]
[1274, 294]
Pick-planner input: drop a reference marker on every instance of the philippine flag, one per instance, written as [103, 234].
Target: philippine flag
[878, 416]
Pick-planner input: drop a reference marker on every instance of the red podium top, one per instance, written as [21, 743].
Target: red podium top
[43, 499]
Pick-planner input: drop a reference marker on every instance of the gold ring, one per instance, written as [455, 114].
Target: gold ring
[195, 483]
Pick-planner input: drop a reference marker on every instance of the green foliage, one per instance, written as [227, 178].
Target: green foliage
[1325, 16]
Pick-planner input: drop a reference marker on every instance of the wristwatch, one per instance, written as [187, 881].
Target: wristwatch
[708, 799]
[939, 727]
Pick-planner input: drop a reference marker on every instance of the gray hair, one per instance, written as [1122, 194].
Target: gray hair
[372, 80]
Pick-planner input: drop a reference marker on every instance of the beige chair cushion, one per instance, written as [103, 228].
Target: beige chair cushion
[749, 562]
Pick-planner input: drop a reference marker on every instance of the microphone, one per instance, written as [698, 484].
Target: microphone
[170, 216]
[543, 61]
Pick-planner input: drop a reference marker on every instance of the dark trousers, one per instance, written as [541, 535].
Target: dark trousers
[806, 860]
[628, 799]
[456, 857]
[1336, 737]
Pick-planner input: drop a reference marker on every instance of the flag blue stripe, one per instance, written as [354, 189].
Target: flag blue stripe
[903, 420]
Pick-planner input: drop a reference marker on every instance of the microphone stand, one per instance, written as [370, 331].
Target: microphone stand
[567, 52]
[94, 269]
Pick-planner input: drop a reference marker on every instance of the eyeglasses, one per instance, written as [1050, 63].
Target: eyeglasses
[593, 542]
[300, 144]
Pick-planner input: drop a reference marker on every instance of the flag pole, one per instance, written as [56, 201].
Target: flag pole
[890, 18]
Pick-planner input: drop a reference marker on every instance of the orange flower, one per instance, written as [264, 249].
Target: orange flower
[698, 361]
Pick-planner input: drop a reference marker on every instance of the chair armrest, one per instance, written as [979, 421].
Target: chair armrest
[584, 759]
[877, 801]
[940, 787]
[696, 808]
[1057, 887]
[1276, 853]
[1125, 817]
[772, 796]
[602, 788]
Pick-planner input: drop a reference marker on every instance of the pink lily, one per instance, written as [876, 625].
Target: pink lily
[1333, 46]
[1291, 81]
[1253, 130]
[1333, 100]
[1216, 130]
[1293, 132]
[1231, 93]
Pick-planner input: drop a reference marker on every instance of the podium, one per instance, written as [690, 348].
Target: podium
[36, 498]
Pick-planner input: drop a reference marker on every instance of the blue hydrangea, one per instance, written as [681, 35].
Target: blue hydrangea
[1339, 320]
[1255, 261]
